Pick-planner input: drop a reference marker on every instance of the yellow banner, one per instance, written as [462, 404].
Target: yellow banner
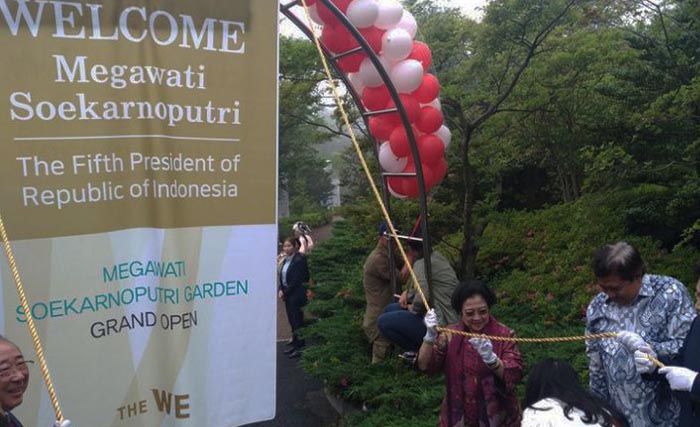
[122, 114]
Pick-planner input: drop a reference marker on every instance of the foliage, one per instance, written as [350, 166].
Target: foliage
[302, 170]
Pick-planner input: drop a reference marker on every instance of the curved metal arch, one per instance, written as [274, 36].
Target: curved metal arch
[366, 114]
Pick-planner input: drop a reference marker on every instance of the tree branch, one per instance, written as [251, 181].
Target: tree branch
[320, 125]
[536, 42]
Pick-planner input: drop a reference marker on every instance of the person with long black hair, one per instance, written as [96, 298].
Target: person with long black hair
[554, 397]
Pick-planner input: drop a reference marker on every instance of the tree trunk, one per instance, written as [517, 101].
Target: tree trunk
[467, 264]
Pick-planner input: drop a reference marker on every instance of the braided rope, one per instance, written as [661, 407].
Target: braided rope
[394, 234]
[30, 323]
[599, 336]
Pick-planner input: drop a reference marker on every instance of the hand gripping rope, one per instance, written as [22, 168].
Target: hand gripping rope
[394, 234]
[60, 421]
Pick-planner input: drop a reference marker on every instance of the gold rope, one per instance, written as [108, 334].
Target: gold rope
[394, 234]
[30, 323]
[600, 336]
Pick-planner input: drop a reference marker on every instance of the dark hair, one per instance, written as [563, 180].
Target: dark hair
[415, 245]
[294, 241]
[621, 259]
[468, 289]
[557, 379]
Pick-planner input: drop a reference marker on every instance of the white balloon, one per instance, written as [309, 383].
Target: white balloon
[356, 82]
[363, 13]
[435, 103]
[396, 44]
[445, 135]
[407, 75]
[390, 13]
[369, 74]
[389, 161]
[394, 193]
[313, 13]
[408, 23]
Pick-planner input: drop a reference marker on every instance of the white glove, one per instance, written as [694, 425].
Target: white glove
[65, 423]
[642, 362]
[485, 349]
[679, 378]
[632, 341]
[431, 322]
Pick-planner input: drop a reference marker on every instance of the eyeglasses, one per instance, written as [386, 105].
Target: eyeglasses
[22, 367]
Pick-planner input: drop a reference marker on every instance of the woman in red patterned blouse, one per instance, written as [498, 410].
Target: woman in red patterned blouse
[480, 375]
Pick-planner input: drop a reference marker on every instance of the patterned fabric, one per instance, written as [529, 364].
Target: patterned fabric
[662, 314]
[474, 396]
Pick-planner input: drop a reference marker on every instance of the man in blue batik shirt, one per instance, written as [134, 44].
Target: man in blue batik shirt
[650, 313]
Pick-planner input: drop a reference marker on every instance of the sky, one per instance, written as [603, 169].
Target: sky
[468, 7]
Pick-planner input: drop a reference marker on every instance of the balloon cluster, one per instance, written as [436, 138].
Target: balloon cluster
[389, 30]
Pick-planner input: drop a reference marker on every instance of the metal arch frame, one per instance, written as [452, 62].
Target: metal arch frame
[365, 48]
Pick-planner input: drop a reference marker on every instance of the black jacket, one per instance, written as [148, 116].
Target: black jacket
[9, 420]
[689, 357]
[297, 274]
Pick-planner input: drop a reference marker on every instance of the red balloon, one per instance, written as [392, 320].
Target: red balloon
[410, 105]
[351, 63]
[395, 183]
[440, 170]
[429, 120]
[410, 186]
[338, 39]
[429, 177]
[327, 16]
[380, 128]
[428, 90]
[375, 98]
[398, 141]
[431, 149]
[421, 53]
[373, 35]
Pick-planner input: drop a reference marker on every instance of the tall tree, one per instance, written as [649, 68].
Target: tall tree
[479, 74]
[302, 127]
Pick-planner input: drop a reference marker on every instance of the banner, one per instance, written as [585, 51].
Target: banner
[138, 187]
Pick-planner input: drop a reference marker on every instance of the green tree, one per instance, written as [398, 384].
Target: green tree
[478, 74]
[302, 170]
